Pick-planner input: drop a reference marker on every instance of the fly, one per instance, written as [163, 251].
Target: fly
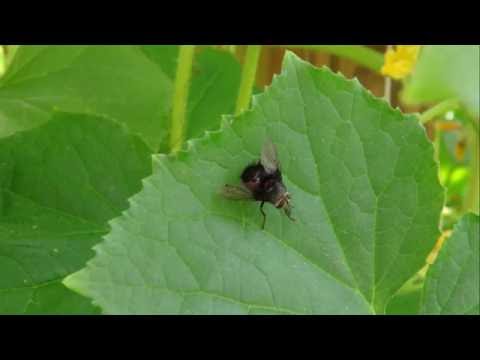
[262, 181]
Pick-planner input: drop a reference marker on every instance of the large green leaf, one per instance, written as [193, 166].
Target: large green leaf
[117, 81]
[59, 185]
[408, 298]
[452, 284]
[128, 83]
[165, 56]
[446, 71]
[366, 196]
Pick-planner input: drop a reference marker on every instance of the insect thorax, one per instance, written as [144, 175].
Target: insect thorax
[264, 186]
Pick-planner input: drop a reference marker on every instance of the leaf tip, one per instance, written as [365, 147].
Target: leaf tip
[290, 58]
[72, 282]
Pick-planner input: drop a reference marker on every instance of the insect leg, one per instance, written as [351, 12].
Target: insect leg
[263, 213]
[288, 212]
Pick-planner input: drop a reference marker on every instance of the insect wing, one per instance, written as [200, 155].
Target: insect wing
[236, 193]
[269, 158]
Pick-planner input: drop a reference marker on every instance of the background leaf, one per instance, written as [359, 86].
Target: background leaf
[405, 303]
[452, 283]
[366, 197]
[59, 185]
[407, 300]
[455, 173]
[130, 84]
[446, 71]
[116, 81]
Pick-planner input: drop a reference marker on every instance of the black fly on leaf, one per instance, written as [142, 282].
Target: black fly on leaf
[262, 181]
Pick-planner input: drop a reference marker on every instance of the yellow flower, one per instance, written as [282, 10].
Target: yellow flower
[400, 62]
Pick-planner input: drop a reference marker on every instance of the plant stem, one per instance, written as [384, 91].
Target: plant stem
[179, 108]
[473, 195]
[388, 89]
[248, 78]
[388, 85]
[439, 109]
[360, 54]
[2, 60]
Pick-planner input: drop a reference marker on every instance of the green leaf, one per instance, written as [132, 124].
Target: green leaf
[366, 196]
[405, 303]
[443, 72]
[165, 56]
[117, 81]
[213, 93]
[59, 185]
[452, 284]
[407, 300]
[130, 84]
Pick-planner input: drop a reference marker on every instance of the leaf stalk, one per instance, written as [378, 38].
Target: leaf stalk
[248, 78]
[180, 99]
[439, 109]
